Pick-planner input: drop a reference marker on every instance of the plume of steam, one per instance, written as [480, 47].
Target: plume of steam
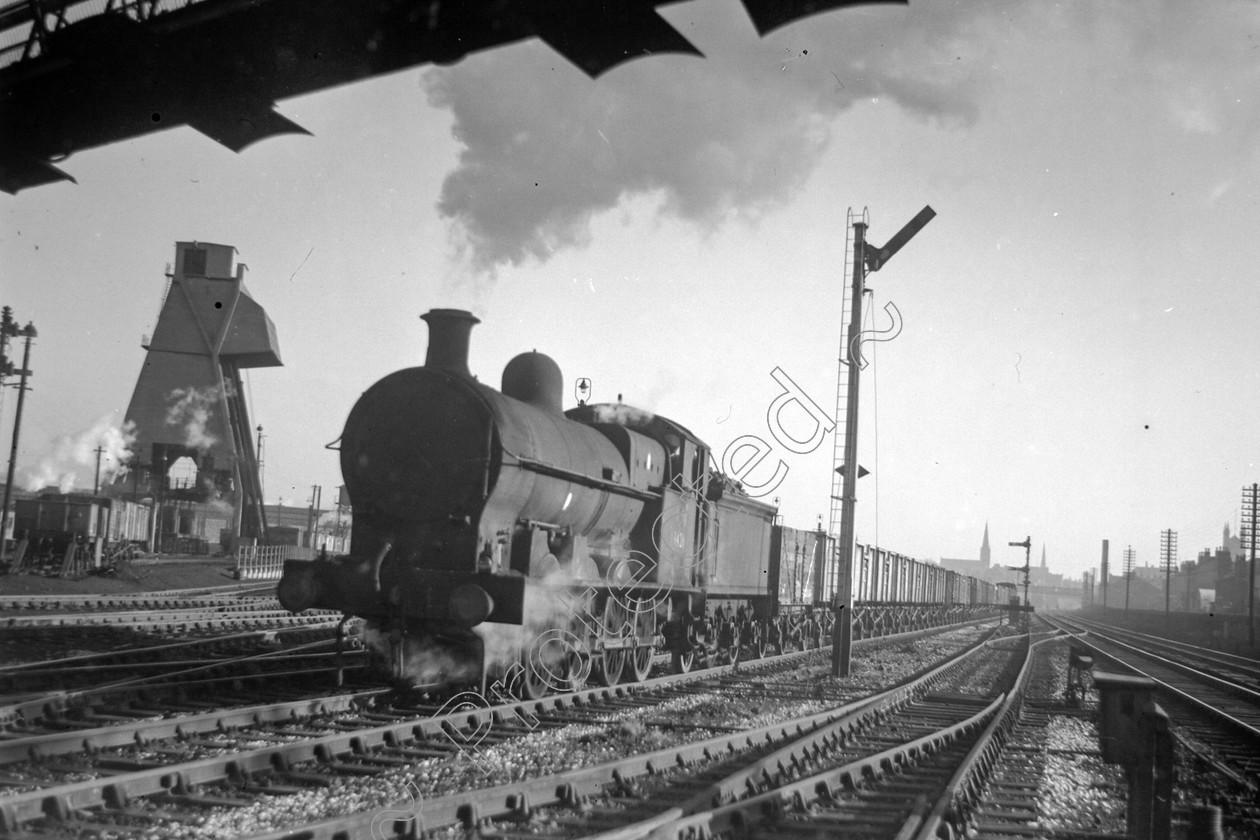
[191, 409]
[75, 455]
[550, 607]
[427, 662]
[543, 639]
[735, 134]
[621, 414]
[330, 520]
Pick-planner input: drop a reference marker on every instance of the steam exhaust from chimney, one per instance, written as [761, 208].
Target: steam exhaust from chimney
[448, 339]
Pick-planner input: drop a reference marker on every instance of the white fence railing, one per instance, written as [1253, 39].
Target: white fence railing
[260, 562]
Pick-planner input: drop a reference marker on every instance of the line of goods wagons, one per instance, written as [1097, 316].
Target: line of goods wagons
[879, 575]
[55, 520]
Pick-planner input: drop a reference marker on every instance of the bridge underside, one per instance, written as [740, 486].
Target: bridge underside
[221, 65]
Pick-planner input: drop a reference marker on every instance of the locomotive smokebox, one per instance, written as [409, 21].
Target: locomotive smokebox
[448, 339]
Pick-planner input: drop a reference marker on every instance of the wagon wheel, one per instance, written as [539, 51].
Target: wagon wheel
[809, 639]
[616, 627]
[683, 662]
[757, 642]
[727, 644]
[640, 661]
[529, 685]
[552, 663]
[533, 683]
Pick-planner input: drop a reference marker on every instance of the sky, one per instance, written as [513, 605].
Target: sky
[1077, 356]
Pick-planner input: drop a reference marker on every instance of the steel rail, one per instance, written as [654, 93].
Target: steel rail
[32, 708]
[1222, 755]
[574, 786]
[133, 604]
[1249, 697]
[8, 602]
[38, 747]
[711, 810]
[953, 807]
[1247, 665]
[61, 801]
[212, 625]
[212, 671]
[147, 650]
[139, 618]
[827, 785]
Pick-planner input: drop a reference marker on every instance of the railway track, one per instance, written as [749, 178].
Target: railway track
[196, 619]
[314, 755]
[59, 651]
[1220, 719]
[62, 692]
[115, 628]
[1041, 774]
[1242, 671]
[1214, 721]
[158, 599]
[708, 786]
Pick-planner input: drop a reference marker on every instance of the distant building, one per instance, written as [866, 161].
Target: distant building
[1042, 576]
[1047, 590]
[309, 527]
[980, 569]
[1232, 573]
[1215, 581]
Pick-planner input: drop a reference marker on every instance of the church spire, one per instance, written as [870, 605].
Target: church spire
[1043, 555]
[984, 547]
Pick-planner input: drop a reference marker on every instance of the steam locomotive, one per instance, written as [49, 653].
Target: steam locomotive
[500, 538]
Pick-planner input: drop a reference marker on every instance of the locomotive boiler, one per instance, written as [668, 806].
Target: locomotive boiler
[498, 537]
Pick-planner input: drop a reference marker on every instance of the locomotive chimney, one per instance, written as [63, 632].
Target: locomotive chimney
[448, 338]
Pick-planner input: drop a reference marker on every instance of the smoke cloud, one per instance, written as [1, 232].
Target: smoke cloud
[74, 457]
[191, 410]
[621, 414]
[732, 135]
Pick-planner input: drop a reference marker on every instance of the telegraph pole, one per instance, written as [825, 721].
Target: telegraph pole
[260, 462]
[1251, 505]
[866, 257]
[1106, 572]
[1129, 557]
[96, 482]
[1168, 555]
[28, 332]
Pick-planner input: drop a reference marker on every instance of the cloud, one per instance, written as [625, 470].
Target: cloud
[1201, 60]
[732, 135]
[737, 134]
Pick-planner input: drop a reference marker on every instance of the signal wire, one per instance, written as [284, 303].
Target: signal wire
[869, 319]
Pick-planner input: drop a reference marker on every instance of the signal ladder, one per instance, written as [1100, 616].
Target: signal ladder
[842, 392]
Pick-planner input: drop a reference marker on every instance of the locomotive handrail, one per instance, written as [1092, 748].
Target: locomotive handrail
[544, 468]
